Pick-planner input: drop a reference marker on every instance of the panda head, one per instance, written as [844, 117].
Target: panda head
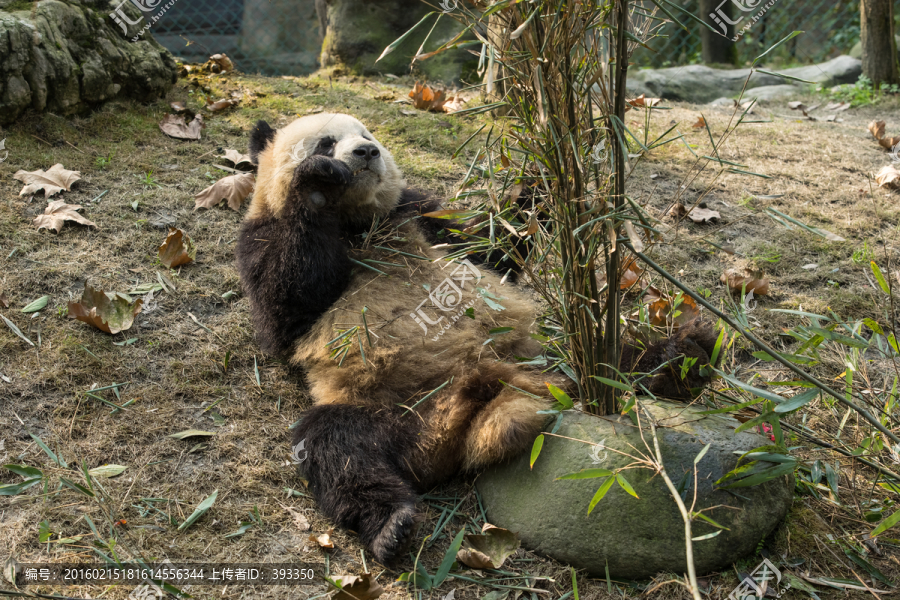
[377, 182]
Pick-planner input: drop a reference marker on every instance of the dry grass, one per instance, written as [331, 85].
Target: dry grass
[176, 368]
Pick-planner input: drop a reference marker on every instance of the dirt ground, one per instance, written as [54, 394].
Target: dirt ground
[190, 361]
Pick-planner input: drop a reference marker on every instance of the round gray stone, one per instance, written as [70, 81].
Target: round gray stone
[637, 538]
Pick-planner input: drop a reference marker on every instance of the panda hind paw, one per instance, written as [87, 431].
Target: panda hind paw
[395, 535]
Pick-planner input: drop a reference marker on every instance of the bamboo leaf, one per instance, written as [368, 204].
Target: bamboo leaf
[616, 384]
[536, 449]
[561, 397]
[393, 46]
[587, 474]
[876, 270]
[600, 493]
[790, 36]
[449, 558]
[37, 305]
[199, 511]
[886, 524]
[797, 401]
[623, 483]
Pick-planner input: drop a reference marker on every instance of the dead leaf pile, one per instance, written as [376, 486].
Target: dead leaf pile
[426, 98]
[177, 250]
[54, 180]
[669, 311]
[876, 128]
[697, 214]
[111, 312]
[754, 280]
[234, 188]
[175, 127]
[57, 213]
[488, 550]
[363, 587]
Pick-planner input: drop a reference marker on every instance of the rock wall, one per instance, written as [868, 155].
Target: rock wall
[357, 32]
[65, 56]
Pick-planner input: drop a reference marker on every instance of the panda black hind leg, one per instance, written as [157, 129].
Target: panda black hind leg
[351, 463]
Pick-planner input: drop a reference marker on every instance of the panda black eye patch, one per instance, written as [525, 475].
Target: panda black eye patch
[325, 147]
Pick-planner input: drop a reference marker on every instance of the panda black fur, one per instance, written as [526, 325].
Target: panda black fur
[302, 253]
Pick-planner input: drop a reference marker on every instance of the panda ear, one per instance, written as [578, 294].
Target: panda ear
[260, 136]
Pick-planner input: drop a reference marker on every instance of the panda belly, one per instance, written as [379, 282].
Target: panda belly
[426, 323]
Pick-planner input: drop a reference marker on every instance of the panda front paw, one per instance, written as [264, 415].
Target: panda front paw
[322, 170]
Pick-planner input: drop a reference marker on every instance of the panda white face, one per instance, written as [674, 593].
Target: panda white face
[376, 184]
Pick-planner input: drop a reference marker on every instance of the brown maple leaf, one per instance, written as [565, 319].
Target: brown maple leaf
[234, 188]
[876, 128]
[700, 124]
[111, 312]
[57, 213]
[175, 127]
[178, 249]
[888, 177]
[52, 181]
[642, 102]
[363, 587]
[220, 104]
[749, 280]
[236, 157]
[425, 98]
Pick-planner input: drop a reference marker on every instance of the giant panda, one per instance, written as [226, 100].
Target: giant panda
[346, 278]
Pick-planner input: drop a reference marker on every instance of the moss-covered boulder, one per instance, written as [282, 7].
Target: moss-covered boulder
[64, 57]
[637, 538]
[356, 33]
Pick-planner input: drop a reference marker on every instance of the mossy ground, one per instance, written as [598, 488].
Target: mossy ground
[177, 372]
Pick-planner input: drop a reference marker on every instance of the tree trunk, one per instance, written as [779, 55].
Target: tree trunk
[879, 48]
[718, 46]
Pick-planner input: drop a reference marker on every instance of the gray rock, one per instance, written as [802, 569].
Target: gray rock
[698, 83]
[66, 57]
[773, 92]
[637, 538]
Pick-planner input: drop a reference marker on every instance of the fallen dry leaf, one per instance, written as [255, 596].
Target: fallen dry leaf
[488, 550]
[697, 215]
[300, 520]
[353, 587]
[631, 273]
[701, 123]
[664, 310]
[737, 279]
[57, 213]
[220, 104]
[177, 250]
[324, 540]
[236, 157]
[796, 105]
[3, 300]
[52, 181]
[178, 106]
[234, 188]
[111, 312]
[641, 101]
[175, 127]
[876, 128]
[223, 62]
[454, 104]
[888, 177]
[425, 98]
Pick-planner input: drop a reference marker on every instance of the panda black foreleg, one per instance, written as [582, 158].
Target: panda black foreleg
[356, 461]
